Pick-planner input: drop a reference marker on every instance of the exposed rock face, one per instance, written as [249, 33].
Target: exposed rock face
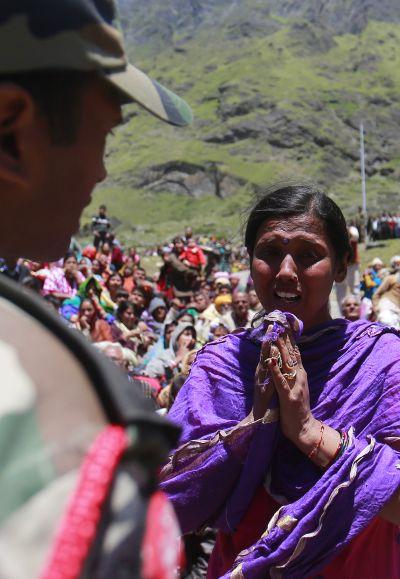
[310, 39]
[342, 16]
[144, 21]
[246, 112]
[189, 179]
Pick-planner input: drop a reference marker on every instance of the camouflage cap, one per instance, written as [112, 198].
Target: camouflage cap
[80, 35]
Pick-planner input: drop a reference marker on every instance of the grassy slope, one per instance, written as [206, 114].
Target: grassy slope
[273, 68]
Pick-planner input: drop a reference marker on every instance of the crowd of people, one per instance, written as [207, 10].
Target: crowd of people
[384, 226]
[149, 324]
[375, 291]
[152, 324]
[279, 456]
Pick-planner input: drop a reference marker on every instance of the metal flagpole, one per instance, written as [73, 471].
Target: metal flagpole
[362, 160]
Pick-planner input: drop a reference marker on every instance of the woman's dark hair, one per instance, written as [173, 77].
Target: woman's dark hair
[123, 306]
[175, 388]
[87, 300]
[32, 283]
[138, 290]
[185, 313]
[68, 255]
[122, 293]
[192, 330]
[114, 274]
[281, 201]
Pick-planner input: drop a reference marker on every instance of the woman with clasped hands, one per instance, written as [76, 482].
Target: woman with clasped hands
[291, 429]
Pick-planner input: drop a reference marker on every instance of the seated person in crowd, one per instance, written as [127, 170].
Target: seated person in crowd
[351, 308]
[64, 282]
[239, 316]
[129, 331]
[372, 277]
[168, 363]
[386, 301]
[219, 310]
[158, 312]
[254, 303]
[113, 284]
[92, 323]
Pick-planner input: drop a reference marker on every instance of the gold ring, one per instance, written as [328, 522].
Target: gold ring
[279, 359]
[289, 375]
[264, 363]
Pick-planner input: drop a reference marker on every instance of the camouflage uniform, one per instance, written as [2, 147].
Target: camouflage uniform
[57, 393]
[79, 35]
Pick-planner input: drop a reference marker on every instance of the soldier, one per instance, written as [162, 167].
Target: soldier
[63, 78]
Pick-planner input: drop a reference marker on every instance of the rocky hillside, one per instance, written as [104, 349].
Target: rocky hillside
[278, 88]
[154, 22]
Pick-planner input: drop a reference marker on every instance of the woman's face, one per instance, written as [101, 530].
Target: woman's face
[115, 282]
[96, 267]
[128, 318]
[294, 266]
[87, 310]
[186, 319]
[220, 331]
[160, 314]
[168, 333]
[186, 339]
[137, 298]
[70, 264]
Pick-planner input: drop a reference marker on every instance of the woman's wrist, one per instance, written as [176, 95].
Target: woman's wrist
[262, 402]
[306, 434]
[319, 442]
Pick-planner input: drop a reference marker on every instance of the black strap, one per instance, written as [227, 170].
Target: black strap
[122, 403]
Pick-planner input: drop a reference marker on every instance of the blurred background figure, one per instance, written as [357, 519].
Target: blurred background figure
[351, 308]
[101, 227]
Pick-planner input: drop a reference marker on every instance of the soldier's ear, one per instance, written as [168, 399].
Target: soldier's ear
[17, 113]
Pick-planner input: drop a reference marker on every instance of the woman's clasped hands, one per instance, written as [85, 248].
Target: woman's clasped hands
[280, 370]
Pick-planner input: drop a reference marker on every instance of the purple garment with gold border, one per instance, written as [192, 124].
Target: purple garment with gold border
[354, 380]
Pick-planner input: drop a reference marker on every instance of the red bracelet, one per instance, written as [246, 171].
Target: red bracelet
[336, 454]
[318, 445]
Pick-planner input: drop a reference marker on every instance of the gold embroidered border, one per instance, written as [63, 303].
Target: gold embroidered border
[287, 523]
[353, 473]
[195, 447]
[237, 573]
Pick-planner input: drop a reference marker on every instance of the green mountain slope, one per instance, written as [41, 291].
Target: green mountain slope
[275, 97]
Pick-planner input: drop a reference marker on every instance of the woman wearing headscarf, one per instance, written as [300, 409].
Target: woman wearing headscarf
[92, 323]
[169, 362]
[92, 289]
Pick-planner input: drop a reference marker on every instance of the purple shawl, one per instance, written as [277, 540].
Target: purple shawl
[354, 375]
